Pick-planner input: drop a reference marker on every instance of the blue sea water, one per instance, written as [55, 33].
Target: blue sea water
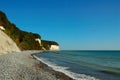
[84, 65]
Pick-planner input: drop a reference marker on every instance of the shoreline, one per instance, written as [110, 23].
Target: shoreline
[23, 66]
[44, 67]
[70, 75]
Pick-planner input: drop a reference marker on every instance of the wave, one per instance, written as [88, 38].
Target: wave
[110, 72]
[66, 70]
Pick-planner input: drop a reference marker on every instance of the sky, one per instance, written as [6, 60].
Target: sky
[74, 24]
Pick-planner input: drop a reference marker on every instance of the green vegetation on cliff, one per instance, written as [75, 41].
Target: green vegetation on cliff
[24, 40]
[46, 44]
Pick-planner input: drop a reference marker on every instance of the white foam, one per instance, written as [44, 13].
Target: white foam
[65, 70]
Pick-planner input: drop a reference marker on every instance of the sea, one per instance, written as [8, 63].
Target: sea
[84, 65]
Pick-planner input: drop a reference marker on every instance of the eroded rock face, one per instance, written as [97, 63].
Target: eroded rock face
[54, 47]
[7, 45]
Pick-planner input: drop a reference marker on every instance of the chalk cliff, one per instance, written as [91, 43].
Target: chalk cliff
[7, 44]
[24, 40]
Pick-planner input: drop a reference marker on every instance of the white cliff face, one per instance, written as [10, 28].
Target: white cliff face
[39, 41]
[7, 45]
[2, 28]
[54, 47]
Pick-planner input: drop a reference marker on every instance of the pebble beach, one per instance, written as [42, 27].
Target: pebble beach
[23, 66]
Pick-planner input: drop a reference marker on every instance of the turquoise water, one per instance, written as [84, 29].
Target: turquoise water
[84, 65]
